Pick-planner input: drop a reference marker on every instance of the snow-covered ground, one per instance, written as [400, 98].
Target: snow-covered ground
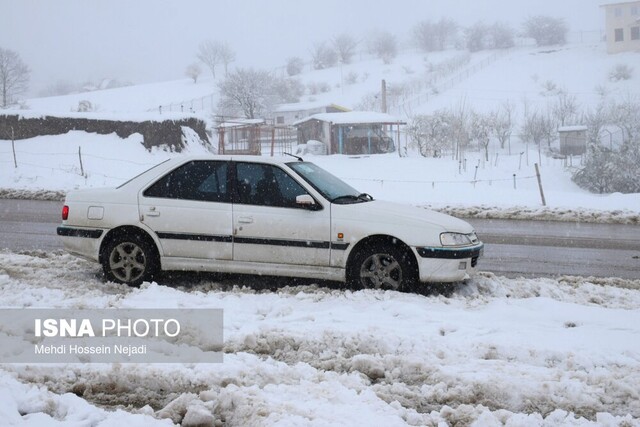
[489, 352]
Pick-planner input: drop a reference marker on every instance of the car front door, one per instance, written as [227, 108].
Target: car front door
[269, 226]
[190, 211]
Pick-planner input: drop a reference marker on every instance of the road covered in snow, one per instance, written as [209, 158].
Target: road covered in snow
[489, 352]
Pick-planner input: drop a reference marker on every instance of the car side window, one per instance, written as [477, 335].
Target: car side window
[265, 185]
[199, 180]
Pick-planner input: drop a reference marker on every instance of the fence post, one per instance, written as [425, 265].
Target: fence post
[13, 148]
[544, 203]
[80, 157]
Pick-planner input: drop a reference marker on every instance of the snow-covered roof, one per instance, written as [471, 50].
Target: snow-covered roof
[303, 106]
[240, 122]
[571, 128]
[352, 117]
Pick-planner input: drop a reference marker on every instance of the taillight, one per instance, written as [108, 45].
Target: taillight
[65, 212]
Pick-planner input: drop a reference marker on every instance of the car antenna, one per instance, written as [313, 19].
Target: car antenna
[300, 159]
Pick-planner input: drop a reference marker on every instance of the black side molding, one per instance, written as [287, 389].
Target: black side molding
[79, 232]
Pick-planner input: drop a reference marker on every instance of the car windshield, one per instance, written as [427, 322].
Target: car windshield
[331, 187]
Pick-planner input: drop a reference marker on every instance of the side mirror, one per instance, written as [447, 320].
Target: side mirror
[306, 201]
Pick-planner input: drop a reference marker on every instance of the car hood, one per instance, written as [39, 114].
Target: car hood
[382, 211]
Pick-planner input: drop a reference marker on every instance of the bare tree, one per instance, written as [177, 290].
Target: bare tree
[502, 123]
[566, 108]
[248, 92]
[209, 54]
[345, 46]
[537, 127]
[227, 56]
[384, 45]
[14, 76]
[481, 126]
[193, 71]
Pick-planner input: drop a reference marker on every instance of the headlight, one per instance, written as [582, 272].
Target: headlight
[455, 239]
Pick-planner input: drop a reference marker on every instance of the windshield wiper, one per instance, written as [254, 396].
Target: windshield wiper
[362, 197]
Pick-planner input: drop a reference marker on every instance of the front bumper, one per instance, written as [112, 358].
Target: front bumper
[439, 264]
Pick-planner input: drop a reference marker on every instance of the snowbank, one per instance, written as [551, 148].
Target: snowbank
[493, 351]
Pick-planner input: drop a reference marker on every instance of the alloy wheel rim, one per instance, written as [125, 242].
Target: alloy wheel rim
[381, 271]
[127, 262]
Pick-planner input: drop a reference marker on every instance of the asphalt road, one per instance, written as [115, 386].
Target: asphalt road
[513, 248]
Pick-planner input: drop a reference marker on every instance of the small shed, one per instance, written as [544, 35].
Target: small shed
[573, 140]
[355, 132]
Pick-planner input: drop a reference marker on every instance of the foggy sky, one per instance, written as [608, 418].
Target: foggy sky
[145, 41]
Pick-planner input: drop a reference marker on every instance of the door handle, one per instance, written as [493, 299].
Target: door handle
[245, 220]
[153, 211]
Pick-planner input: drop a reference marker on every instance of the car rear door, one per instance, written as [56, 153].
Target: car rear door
[190, 211]
[268, 225]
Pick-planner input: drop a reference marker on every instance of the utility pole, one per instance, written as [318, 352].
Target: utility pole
[383, 96]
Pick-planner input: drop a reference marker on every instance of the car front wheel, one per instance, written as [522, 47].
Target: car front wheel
[384, 267]
[130, 260]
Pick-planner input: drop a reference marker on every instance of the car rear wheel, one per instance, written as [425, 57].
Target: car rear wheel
[384, 267]
[129, 260]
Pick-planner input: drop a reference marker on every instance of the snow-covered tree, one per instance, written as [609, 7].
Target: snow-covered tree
[502, 35]
[384, 45]
[546, 30]
[323, 56]
[430, 36]
[288, 90]
[247, 92]
[14, 77]
[295, 65]
[430, 134]
[193, 71]
[608, 167]
[345, 46]
[476, 37]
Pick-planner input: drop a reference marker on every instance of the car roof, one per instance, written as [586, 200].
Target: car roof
[237, 158]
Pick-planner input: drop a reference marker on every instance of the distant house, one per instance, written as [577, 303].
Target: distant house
[355, 132]
[287, 114]
[623, 26]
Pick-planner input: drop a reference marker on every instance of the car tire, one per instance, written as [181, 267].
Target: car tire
[130, 260]
[384, 266]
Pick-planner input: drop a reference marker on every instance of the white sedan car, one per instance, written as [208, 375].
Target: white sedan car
[256, 215]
